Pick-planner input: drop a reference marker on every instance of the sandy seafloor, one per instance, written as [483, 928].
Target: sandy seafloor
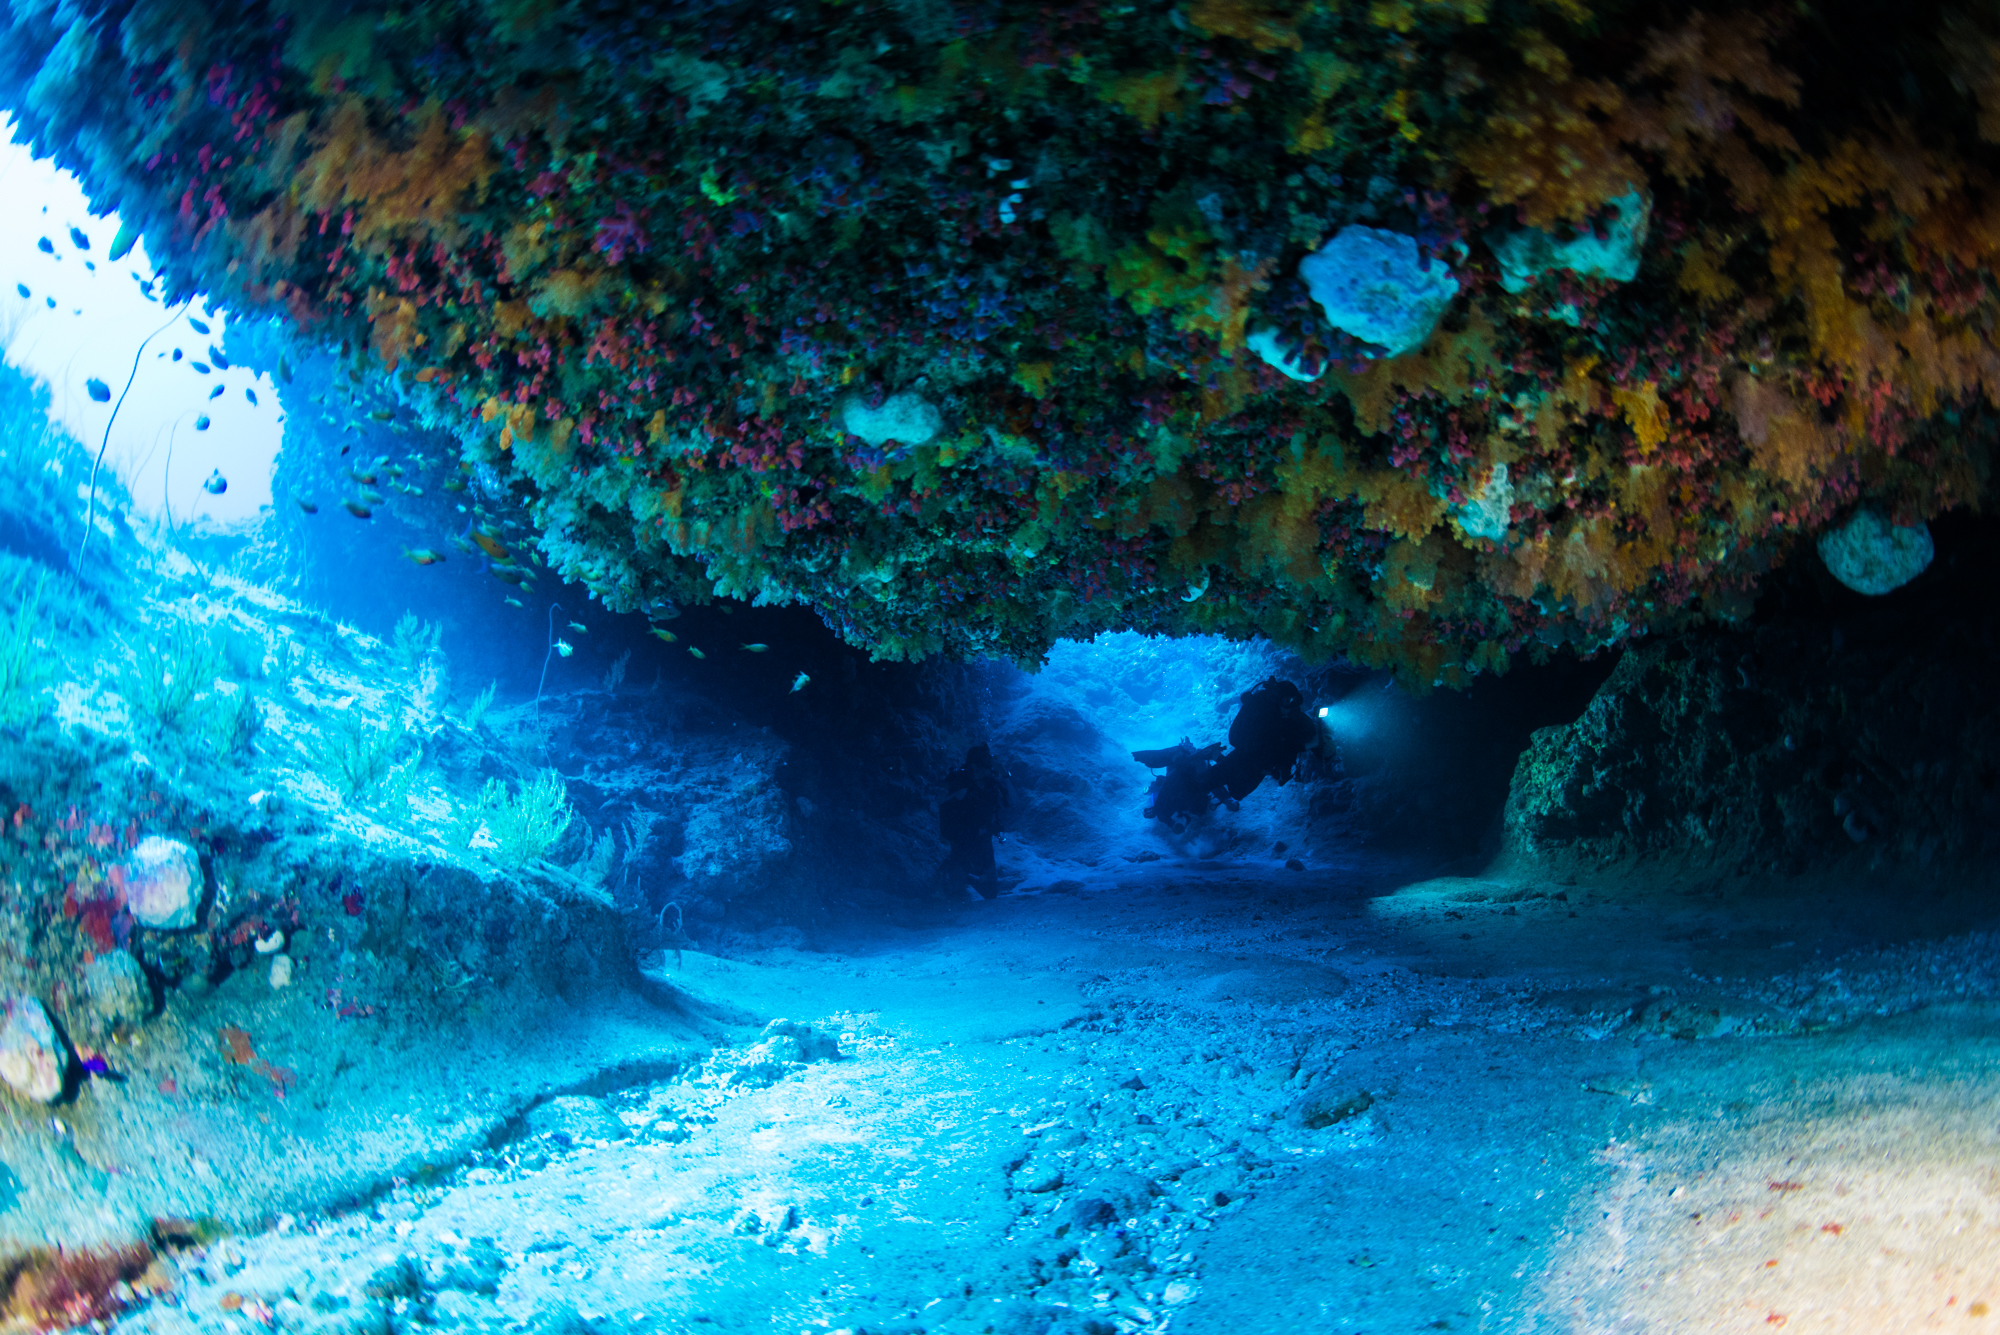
[1234, 1097]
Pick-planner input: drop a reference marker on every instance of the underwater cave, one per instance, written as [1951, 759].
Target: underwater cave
[948, 668]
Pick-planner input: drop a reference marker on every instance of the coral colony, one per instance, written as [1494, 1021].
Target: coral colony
[1423, 333]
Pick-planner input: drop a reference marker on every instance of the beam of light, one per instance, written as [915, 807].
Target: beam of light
[93, 332]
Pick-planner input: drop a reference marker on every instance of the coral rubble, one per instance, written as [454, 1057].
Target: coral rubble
[976, 327]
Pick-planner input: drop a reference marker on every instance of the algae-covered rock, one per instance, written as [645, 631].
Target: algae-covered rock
[163, 883]
[32, 1061]
[115, 990]
[1862, 743]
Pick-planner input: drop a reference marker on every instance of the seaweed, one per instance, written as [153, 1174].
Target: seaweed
[171, 669]
[476, 711]
[359, 754]
[525, 826]
[414, 640]
[25, 669]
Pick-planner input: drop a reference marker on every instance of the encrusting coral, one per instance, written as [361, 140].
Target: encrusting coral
[646, 263]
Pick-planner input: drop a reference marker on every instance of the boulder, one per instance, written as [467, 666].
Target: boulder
[163, 883]
[32, 1060]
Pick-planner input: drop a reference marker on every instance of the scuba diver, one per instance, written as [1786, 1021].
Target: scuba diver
[1271, 731]
[1269, 735]
[1180, 796]
[969, 817]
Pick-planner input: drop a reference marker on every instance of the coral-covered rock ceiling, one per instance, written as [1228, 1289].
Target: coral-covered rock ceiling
[1422, 331]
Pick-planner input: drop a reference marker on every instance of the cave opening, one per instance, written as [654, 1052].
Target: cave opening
[617, 511]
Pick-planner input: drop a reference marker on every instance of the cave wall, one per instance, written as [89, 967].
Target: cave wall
[1839, 735]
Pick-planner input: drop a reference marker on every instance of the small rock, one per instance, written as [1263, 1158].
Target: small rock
[1127, 1193]
[401, 1278]
[576, 1117]
[281, 972]
[1329, 1106]
[813, 1046]
[1021, 1316]
[115, 990]
[1089, 1212]
[1294, 864]
[163, 883]
[477, 1269]
[1039, 1178]
[31, 1060]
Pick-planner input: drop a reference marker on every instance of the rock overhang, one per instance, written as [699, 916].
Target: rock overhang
[647, 271]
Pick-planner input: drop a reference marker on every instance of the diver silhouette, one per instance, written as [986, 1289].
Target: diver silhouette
[1269, 734]
[968, 818]
[1180, 795]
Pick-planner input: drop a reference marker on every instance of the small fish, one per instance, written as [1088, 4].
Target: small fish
[216, 483]
[381, 416]
[696, 652]
[46, 246]
[563, 647]
[579, 628]
[756, 648]
[78, 239]
[463, 545]
[490, 544]
[202, 367]
[507, 576]
[357, 509]
[365, 479]
[215, 356]
[51, 301]
[372, 497]
[413, 491]
[251, 395]
[98, 390]
[394, 470]
[306, 505]
[515, 602]
[455, 485]
[665, 635]
[800, 682]
[424, 556]
[197, 325]
[201, 423]
[216, 393]
[90, 265]
[177, 354]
